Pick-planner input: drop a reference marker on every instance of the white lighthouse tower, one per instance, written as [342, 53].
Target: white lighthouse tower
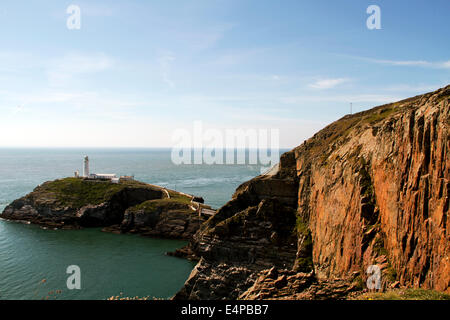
[86, 167]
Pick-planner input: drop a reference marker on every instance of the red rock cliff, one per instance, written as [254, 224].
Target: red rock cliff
[374, 188]
[371, 188]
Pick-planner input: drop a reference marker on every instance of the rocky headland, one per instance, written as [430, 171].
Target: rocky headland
[129, 206]
[369, 189]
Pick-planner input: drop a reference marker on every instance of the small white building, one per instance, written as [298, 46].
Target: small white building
[100, 176]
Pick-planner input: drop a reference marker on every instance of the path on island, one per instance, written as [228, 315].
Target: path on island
[200, 209]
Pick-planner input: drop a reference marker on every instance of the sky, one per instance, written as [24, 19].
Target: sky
[135, 72]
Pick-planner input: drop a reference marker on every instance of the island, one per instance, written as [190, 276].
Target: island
[124, 206]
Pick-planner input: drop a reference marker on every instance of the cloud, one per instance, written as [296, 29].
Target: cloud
[16, 61]
[235, 57]
[415, 88]
[165, 63]
[328, 83]
[410, 63]
[18, 109]
[98, 10]
[63, 69]
[205, 38]
[100, 105]
[377, 98]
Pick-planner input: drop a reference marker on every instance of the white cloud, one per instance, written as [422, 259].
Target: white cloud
[204, 38]
[235, 57]
[98, 10]
[328, 83]
[165, 63]
[72, 64]
[18, 109]
[411, 63]
[415, 88]
[377, 98]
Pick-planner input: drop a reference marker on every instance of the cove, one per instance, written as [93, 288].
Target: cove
[33, 264]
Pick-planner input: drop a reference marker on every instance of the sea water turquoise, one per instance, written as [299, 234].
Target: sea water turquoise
[33, 261]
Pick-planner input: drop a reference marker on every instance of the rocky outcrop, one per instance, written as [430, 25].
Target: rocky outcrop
[370, 189]
[162, 218]
[276, 284]
[252, 232]
[129, 206]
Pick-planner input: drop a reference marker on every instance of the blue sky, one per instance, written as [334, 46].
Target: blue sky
[138, 70]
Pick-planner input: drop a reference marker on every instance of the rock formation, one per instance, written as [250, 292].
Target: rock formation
[369, 189]
[129, 206]
[162, 218]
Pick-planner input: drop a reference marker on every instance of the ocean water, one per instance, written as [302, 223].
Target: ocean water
[33, 261]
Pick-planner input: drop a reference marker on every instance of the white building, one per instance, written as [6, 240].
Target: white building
[103, 176]
[100, 176]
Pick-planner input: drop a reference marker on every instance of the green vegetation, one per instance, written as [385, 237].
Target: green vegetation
[318, 146]
[231, 224]
[360, 284]
[328, 139]
[301, 227]
[159, 204]
[375, 117]
[76, 192]
[391, 274]
[378, 247]
[304, 262]
[404, 294]
[365, 181]
[182, 198]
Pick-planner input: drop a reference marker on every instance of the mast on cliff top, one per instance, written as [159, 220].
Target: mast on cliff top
[86, 167]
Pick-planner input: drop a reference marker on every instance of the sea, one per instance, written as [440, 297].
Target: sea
[36, 263]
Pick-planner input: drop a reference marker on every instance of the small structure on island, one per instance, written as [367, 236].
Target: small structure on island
[100, 176]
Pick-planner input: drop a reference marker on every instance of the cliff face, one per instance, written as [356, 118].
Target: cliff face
[129, 206]
[371, 188]
[380, 194]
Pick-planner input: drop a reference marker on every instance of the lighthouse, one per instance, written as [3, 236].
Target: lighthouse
[86, 167]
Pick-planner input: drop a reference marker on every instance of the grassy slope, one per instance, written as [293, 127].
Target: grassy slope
[404, 294]
[153, 205]
[76, 193]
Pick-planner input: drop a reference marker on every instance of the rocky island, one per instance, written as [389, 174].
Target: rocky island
[369, 189]
[128, 206]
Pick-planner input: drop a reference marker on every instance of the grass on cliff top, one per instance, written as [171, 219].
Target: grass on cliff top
[76, 192]
[159, 204]
[182, 198]
[405, 294]
[319, 145]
